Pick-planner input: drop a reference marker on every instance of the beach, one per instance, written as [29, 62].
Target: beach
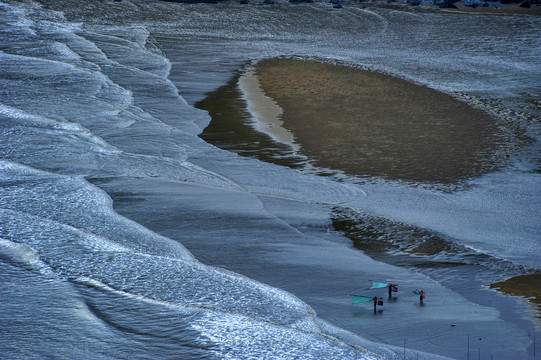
[365, 123]
[164, 214]
[370, 124]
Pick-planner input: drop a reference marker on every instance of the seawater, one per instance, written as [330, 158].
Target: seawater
[125, 235]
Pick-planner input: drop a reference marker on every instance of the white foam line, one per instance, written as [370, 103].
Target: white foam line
[87, 281]
[265, 110]
[24, 254]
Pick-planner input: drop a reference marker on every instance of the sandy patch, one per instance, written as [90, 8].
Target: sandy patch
[370, 124]
[528, 286]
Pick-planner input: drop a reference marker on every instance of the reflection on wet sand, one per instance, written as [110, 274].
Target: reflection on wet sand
[231, 129]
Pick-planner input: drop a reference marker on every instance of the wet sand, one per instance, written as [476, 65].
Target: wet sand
[369, 124]
[527, 286]
[365, 123]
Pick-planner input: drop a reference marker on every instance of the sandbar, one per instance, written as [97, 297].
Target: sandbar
[371, 124]
[527, 286]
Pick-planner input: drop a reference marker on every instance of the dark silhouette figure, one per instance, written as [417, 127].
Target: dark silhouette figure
[392, 288]
[421, 296]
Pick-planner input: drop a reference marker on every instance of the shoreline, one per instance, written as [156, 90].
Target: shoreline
[270, 72]
[461, 8]
[267, 113]
[524, 286]
[370, 124]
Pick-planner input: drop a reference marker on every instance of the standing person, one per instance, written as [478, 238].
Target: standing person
[390, 289]
[421, 296]
[375, 302]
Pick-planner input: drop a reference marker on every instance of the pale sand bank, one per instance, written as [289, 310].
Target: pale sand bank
[266, 112]
[370, 124]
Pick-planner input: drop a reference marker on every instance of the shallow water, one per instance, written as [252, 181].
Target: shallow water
[109, 196]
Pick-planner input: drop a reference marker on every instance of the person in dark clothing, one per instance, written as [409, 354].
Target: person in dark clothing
[375, 302]
[392, 288]
[421, 296]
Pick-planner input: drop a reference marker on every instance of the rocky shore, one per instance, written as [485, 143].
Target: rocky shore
[532, 7]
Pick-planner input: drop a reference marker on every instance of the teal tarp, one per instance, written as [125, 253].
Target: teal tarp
[358, 298]
[378, 285]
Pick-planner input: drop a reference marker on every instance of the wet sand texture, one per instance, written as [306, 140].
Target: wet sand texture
[528, 286]
[370, 124]
[230, 128]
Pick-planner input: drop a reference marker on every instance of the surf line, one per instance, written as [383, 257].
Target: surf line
[266, 112]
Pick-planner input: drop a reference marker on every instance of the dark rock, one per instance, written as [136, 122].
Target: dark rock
[446, 4]
[194, 1]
